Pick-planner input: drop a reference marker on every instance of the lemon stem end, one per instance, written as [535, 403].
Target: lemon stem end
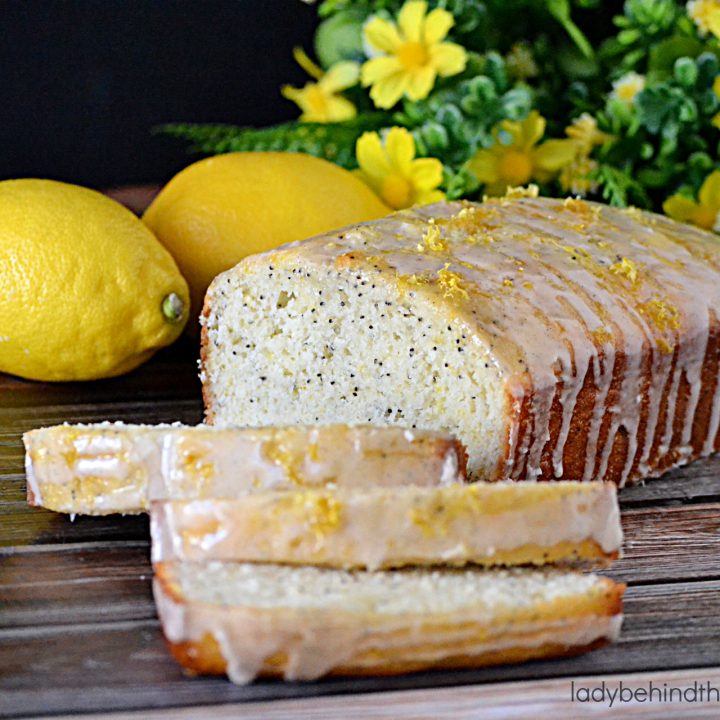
[173, 308]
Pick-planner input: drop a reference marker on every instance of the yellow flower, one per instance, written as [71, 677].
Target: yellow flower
[392, 171]
[584, 131]
[627, 87]
[319, 100]
[412, 53]
[704, 213]
[705, 15]
[516, 163]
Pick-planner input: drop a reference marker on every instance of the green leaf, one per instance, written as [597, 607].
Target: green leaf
[659, 108]
[340, 38]
[330, 141]
[560, 10]
[619, 188]
[664, 54]
[686, 72]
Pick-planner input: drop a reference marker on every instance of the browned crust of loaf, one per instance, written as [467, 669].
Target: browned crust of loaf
[204, 658]
[461, 454]
[209, 414]
[576, 444]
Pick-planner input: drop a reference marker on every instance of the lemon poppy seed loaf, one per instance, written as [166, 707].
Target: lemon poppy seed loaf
[556, 339]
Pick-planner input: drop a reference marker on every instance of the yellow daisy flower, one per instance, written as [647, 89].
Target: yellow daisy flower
[391, 170]
[704, 213]
[584, 131]
[522, 160]
[706, 16]
[627, 87]
[319, 101]
[412, 53]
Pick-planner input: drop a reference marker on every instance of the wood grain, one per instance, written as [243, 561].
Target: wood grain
[77, 623]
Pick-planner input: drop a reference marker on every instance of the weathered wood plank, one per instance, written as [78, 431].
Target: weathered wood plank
[84, 583]
[23, 525]
[670, 543]
[124, 665]
[12, 489]
[693, 482]
[494, 701]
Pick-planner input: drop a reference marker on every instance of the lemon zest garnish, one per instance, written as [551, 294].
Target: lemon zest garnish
[318, 512]
[418, 279]
[665, 346]
[432, 242]
[625, 267]
[663, 314]
[577, 251]
[602, 334]
[451, 283]
[522, 191]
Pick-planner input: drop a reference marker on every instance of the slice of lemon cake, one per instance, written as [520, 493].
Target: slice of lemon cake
[304, 622]
[484, 523]
[112, 467]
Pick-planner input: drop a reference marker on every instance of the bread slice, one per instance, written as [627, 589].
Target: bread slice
[556, 339]
[483, 523]
[112, 467]
[303, 622]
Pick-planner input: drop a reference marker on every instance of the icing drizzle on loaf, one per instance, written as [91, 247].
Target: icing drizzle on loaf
[601, 321]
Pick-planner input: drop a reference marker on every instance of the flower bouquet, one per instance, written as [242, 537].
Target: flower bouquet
[463, 98]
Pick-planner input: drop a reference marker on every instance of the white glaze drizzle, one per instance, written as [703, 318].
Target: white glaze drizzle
[676, 268]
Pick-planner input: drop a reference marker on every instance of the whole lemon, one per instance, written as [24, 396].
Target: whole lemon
[86, 290]
[217, 211]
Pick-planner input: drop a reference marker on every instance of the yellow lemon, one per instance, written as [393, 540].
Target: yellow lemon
[86, 290]
[217, 211]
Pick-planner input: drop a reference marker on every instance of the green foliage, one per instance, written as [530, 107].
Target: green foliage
[560, 57]
[331, 141]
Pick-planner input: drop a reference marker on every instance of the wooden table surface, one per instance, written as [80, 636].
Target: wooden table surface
[78, 630]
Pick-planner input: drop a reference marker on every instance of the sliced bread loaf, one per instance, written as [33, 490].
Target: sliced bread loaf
[555, 339]
[112, 467]
[484, 523]
[303, 622]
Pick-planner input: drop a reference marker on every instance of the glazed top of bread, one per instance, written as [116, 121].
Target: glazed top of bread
[114, 467]
[562, 294]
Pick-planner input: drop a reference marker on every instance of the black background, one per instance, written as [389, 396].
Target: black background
[83, 82]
